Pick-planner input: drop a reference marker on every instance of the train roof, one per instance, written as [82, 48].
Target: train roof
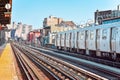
[94, 27]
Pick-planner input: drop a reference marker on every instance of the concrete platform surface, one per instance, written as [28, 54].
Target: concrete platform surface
[7, 64]
[2, 48]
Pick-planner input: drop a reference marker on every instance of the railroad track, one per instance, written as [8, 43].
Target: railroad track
[110, 71]
[29, 74]
[97, 60]
[62, 69]
[28, 70]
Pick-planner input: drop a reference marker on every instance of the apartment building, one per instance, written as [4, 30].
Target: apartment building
[22, 31]
[51, 21]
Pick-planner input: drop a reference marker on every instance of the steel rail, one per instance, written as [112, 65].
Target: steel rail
[98, 60]
[78, 71]
[61, 73]
[52, 76]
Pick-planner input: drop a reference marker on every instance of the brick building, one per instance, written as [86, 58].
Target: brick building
[52, 25]
[22, 31]
[34, 38]
[51, 21]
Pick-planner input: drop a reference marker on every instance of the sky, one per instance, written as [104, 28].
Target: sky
[33, 12]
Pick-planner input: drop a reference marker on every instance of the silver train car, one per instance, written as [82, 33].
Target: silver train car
[101, 41]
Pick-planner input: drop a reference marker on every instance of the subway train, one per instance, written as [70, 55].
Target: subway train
[98, 41]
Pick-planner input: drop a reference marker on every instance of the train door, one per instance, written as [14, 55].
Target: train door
[92, 40]
[105, 41]
[98, 39]
[87, 42]
[86, 39]
[65, 41]
[82, 40]
[60, 40]
[118, 40]
[56, 38]
[77, 41]
[70, 40]
[113, 39]
[73, 39]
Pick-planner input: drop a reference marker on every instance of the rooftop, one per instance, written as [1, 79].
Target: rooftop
[67, 23]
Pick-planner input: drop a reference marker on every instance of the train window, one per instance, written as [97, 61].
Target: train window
[114, 33]
[82, 35]
[67, 37]
[104, 34]
[91, 35]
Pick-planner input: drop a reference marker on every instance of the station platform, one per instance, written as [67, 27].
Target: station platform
[7, 64]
